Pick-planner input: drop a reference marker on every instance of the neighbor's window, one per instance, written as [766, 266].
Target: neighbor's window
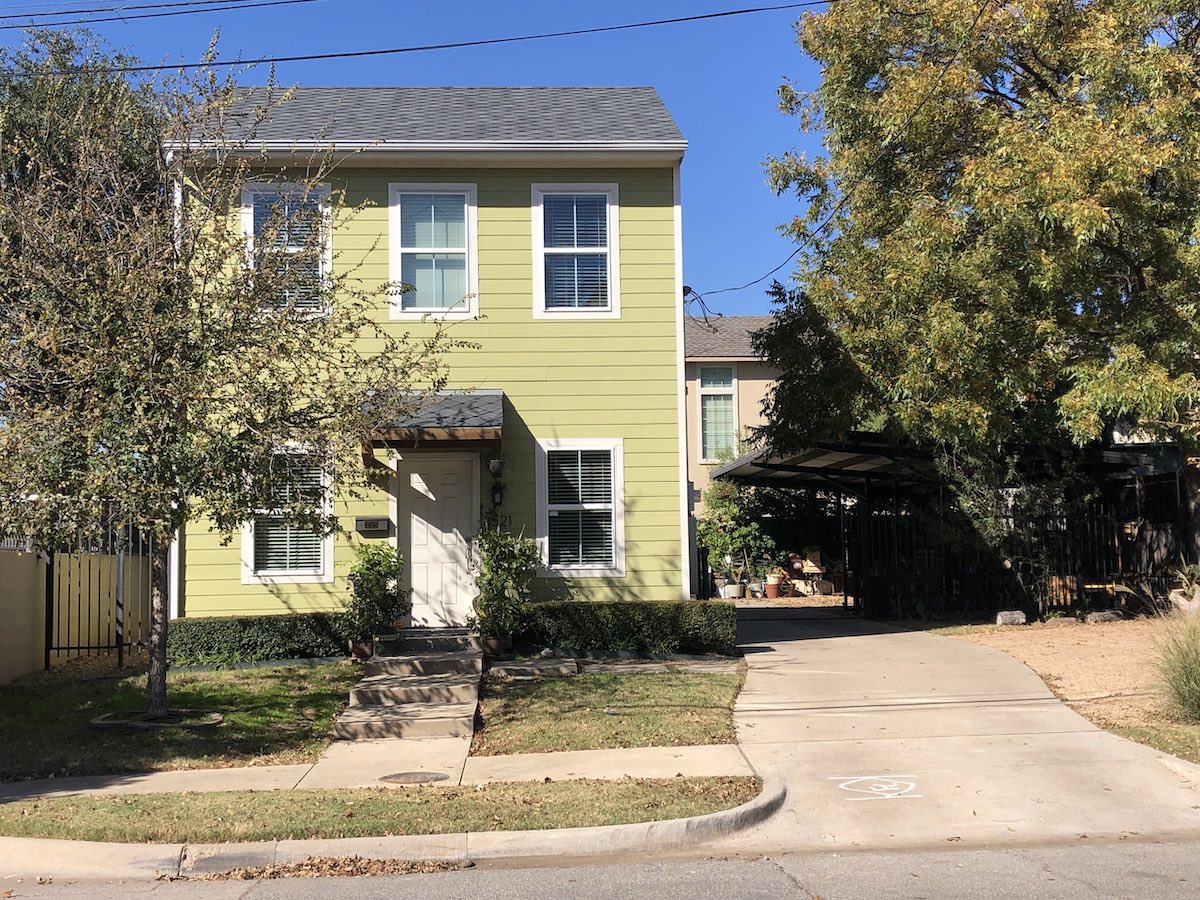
[433, 240]
[575, 258]
[287, 227]
[581, 487]
[718, 425]
[282, 548]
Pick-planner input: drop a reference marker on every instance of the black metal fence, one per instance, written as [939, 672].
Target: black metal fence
[913, 560]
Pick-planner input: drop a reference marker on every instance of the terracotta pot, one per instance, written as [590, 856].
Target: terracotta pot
[494, 645]
[772, 590]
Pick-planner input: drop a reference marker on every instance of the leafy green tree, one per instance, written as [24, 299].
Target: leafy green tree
[730, 531]
[1012, 191]
[151, 357]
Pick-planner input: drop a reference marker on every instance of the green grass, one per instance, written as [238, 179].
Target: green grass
[278, 815]
[606, 710]
[272, 716]
[1177, 738]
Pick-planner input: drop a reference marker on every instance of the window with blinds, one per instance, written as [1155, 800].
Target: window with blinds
[432, 236]
[282, 547]
[575, 243]
[580, 508]
[286, 225]
[575, 250]
[718, 425]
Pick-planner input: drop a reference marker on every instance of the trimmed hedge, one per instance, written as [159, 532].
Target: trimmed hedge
[681, 626]
[236, 639]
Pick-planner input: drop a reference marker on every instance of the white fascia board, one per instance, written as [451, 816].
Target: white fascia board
[472, 157]
[705, 360]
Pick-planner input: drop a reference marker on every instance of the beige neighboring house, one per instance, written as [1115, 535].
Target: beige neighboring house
[724, 386]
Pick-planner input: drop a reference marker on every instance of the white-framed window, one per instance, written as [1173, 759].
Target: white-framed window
[718, 412]
[581, 506]
[576, 257]
[433, 233]
[278, 221]
[275, 551]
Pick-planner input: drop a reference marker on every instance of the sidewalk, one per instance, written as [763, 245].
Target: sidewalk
[361, 764]
[352, 764]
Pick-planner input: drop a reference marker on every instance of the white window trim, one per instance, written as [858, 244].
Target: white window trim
[321, 575]
[700, 392]
[321, 191]
[616, 446]
[468, 308]
[538, 191]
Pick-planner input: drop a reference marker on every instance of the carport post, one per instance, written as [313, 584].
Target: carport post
[864, 547]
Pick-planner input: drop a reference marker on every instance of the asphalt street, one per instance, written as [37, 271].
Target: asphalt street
[1127, 869]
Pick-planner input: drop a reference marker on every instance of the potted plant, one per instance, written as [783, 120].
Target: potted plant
[377, 601]
[505, 563]
[731, 534]
[775, 579]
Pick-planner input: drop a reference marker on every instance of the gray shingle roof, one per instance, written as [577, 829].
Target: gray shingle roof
[470, 115]
[480, 408]
[727, 337]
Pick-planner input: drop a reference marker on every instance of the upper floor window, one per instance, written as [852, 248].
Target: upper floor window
[576, 262]
[718, 417]
[433, 235]
[286, 227]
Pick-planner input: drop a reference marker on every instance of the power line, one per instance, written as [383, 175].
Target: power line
[102, 9]
[456, 45]
[865, 177]
[159, 15]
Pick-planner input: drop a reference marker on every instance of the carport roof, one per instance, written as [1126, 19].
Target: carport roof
[861, 459]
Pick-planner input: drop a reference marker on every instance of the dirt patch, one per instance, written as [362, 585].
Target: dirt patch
[1106, 671]
[816, 601]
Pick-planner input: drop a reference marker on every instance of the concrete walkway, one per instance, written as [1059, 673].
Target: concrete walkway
[894, 739]
[348, 764]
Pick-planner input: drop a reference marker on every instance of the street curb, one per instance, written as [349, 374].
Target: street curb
[29, 857]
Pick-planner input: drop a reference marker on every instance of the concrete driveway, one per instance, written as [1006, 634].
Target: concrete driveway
[895, 739]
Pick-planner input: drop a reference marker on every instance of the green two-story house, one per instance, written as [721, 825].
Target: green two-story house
[545, 223]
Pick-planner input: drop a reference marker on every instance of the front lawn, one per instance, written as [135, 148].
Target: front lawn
[276, 715]
[603, 710]
[279, 815]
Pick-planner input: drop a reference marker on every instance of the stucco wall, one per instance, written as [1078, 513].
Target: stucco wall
[752, 380]
[23, 612]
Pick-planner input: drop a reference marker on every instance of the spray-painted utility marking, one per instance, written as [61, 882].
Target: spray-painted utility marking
[878, 787]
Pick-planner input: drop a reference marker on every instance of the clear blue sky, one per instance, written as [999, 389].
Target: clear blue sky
[717, 77]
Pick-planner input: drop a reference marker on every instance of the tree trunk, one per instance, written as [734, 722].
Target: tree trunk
[156, 680]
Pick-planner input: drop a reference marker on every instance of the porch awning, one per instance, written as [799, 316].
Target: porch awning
[849, 466]
[476, 415]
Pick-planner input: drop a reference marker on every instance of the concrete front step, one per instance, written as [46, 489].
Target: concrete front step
[426, 640]
[456, 662]
[390, 690]
[411, 720]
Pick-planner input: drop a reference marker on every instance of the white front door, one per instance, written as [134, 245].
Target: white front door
[436, 505]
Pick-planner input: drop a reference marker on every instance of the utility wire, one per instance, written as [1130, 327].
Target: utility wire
[114, 8]
[158, 15]
[866, 175]
[455, 45]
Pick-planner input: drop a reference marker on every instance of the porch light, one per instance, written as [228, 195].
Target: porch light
[497, 493]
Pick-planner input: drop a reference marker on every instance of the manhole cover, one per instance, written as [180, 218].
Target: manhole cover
[415, 777]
